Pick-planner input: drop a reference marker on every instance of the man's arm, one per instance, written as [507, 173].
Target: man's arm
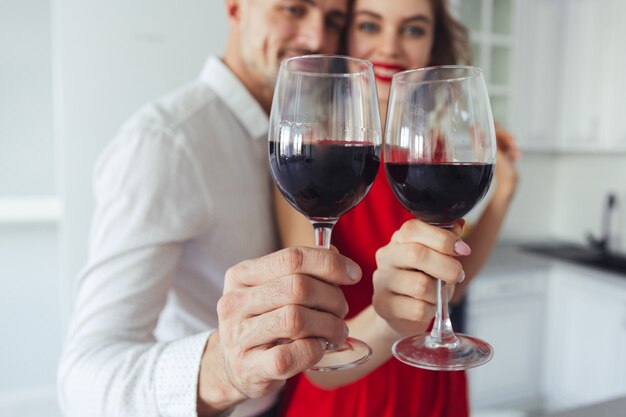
[112, 364]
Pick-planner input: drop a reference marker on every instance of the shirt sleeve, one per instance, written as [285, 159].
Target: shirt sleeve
[149, 202]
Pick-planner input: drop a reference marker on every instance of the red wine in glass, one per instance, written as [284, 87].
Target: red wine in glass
[439, 193]
[326, 178]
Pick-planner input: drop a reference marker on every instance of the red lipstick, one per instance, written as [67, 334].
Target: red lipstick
[383, 71]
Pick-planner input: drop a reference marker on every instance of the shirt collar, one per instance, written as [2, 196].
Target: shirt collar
[238, 99]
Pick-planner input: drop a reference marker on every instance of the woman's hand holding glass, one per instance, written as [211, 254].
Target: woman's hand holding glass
[405, 287]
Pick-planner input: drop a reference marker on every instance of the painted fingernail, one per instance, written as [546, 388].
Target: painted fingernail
[461, 277]
[354, 272]
[461, 248]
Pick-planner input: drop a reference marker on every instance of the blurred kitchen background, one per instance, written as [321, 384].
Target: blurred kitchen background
[71, 71]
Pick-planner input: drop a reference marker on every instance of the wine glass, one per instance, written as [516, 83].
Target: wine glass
[440, 154]
[324, 152]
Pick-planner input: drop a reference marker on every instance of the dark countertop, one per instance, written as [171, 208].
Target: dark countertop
[511, 271]
[510, 256]
[579, 254]
[612, 408]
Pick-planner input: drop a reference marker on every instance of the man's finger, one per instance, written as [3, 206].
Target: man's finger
[322, 264]
[292, 323]
[283, 361]
[292, 289]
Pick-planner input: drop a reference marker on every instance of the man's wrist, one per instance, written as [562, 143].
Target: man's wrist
[216, 394]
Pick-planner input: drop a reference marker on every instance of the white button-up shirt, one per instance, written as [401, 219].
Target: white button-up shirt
[182, 194]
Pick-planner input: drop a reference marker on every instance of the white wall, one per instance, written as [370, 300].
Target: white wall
[562, 196]
[110, 57]
[582, 184]
[30, 323]
[30, 341]
[26, 140]
[530, 215]
[70, 73]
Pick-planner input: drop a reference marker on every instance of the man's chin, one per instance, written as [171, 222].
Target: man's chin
[291, 53]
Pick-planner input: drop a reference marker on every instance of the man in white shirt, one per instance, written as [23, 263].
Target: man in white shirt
[183, 194]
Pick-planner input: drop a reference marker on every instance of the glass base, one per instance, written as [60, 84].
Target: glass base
[350, 354]
[423, 352]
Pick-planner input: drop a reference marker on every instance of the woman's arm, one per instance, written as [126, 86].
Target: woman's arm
[482, 237]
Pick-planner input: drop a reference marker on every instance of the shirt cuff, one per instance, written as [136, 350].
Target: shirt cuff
[176, 376]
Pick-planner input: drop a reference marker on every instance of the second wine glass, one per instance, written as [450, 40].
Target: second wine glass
[440, 158]
[324, 151]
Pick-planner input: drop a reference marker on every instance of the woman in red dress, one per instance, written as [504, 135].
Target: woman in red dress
[399, 255]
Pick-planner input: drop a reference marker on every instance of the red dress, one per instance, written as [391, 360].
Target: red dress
[394, 389]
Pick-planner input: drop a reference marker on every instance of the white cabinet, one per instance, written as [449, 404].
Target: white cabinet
[558, 331]
[537, 64]
[583, 69]
[586, 339]
[492, 27]
[570, 87]
[592, 76]
[555, 70]
[517, 43]
[507, 310]
[617, 99]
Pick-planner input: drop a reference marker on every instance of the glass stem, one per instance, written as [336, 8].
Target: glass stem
[442, 333]
[323, 231]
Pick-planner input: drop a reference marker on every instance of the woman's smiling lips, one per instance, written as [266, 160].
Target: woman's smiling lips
[383, 71]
